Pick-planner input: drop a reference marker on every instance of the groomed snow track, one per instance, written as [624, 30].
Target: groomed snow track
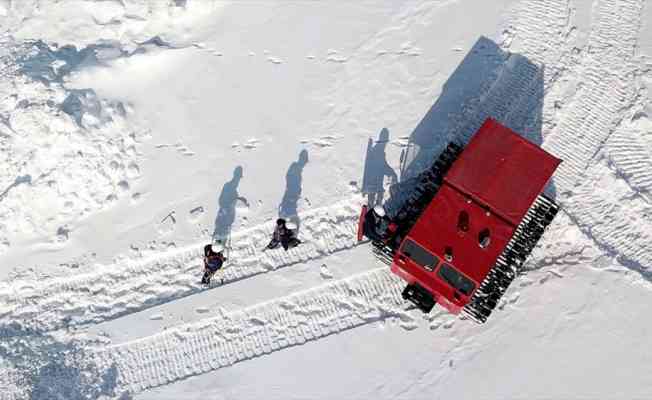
[122, 288]
[218, 342]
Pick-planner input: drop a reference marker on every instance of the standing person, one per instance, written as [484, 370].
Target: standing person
[213, 261]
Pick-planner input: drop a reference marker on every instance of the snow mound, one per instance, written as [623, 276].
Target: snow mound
[66, 153]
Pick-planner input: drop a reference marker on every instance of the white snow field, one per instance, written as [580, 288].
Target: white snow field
[132, 131]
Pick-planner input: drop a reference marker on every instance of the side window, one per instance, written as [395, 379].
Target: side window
[463, 222]
[484, 238]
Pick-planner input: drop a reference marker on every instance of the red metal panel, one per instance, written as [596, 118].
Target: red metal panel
[502, 170]
[437, 229]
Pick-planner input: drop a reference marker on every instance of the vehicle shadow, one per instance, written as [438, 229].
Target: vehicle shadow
[293, 178]
[489, 82]
[227, 202]
[376, 169]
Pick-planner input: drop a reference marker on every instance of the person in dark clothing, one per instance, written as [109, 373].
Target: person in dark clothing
[376, 224]
[213, 261]
[284, 235]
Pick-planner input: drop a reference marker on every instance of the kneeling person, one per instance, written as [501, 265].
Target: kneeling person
[213, 260]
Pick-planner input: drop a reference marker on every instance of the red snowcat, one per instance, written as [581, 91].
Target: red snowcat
[464, 233]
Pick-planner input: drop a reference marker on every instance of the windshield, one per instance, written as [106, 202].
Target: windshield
[458, 281]
[419, 255]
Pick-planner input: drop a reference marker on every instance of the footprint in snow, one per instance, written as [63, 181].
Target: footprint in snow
[167, 224]
[196, 213]
[326, 140]
[251, 143]
[336, 59]
[184, 150]
[325, 272]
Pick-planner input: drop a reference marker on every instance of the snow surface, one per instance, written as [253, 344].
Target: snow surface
[131, 131]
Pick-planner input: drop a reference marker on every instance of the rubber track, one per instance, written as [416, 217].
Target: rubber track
[130, 286]
[219, 342]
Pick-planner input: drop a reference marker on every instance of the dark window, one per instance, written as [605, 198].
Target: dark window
[463, 221]
[458, 281]
[419, 255]
[484, 238]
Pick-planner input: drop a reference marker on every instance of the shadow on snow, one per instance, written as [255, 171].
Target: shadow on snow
[489, 82]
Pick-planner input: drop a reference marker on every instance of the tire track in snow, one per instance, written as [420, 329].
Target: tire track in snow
[219, 342]
[544, 30]
[515, 96]
[122, 288]
[213, 343]
[506, 94]
[606, 93]
[632, 158]
[616, 218]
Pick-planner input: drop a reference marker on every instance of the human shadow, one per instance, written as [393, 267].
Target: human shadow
[289, 204]
[45, 367]
[489, 82]
[376, 169]
[228, 201]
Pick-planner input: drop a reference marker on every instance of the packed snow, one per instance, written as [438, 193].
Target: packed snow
[134, 131]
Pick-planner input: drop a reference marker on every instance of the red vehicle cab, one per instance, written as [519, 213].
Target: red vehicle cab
[462, 240]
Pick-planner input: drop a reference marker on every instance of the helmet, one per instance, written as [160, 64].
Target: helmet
[291, 225]
[217, 246]
[380, 211]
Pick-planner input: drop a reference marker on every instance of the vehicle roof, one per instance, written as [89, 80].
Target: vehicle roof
[502, 170]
